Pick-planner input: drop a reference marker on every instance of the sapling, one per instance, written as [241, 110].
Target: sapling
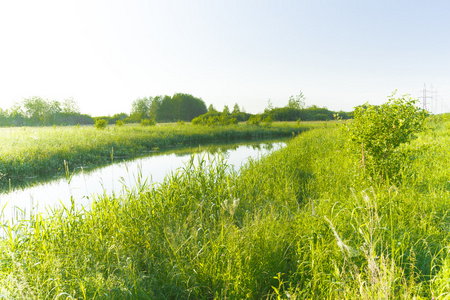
[381, 129]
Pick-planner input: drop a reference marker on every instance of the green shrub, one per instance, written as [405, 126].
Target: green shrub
[215, 118]
[119, 123]
[381, 129]
[101, 123]
[268, 121]
[254, 120]
[148, 122]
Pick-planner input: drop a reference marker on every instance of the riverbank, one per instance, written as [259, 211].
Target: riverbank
[30, 152]
[306, 222]
[122, 175]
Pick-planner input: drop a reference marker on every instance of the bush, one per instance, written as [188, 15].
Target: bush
[381, 129]
[148, 122]
[254, 120]
[119, 123]
[268, 121]
[101, 123]
[214, 119]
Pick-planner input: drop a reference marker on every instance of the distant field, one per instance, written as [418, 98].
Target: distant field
[41, 151]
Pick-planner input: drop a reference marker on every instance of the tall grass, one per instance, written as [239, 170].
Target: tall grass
[305, 222]
[29, 152]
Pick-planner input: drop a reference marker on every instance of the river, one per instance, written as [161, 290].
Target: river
[83, 186]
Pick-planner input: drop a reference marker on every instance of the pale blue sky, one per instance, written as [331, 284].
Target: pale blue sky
[105, 54]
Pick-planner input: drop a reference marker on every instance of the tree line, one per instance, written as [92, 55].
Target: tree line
[36, 111]
[295, 110]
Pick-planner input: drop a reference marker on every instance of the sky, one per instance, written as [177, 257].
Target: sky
[107, 53]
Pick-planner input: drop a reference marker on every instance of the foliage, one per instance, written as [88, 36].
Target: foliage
[36, 111]
[70, 107]
[144, 108]
[311, 113]
[180, 107]
[211, 108]
[101, 124]
[214, 118]
[116, 117]
[140, 108]
[240, 116]
[236, 109]
[28, 154]
[254, 120]
[382, 129]
[296, 102]
[148, 122]
[302, 223]
[120, 123]
[267, 121]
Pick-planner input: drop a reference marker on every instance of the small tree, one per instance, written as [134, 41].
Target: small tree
[69, 106]
[254, 120]
[101, 124]
[297, 102]
[236, 109]
[381, 129]
[148, 122]
[211, 108]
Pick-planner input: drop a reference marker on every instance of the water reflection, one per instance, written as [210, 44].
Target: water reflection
[83, 185]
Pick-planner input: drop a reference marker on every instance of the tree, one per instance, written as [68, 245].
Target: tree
[154, 107]
[166, 109]
[211, 108]
[192, 107]
[297, 102]
[269, 104]
[36, 109]
[180, 106]
[69, 106]
[140, 108]
[53, 111]
[236, 109]
[4, 116]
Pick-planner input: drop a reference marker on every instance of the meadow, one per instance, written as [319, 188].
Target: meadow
[306, 222]
[30, 154]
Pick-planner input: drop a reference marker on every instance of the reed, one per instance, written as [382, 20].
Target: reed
[28, 153]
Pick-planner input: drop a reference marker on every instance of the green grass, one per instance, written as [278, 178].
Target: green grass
[28, 153]
[305, 222]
